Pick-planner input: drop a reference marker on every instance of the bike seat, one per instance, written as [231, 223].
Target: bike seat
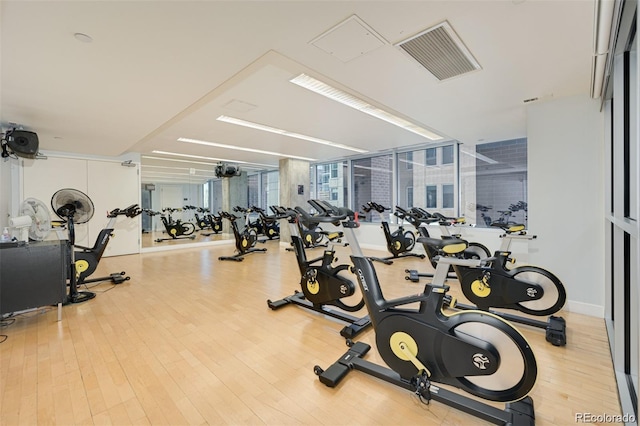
[448, 246]
[509, 228]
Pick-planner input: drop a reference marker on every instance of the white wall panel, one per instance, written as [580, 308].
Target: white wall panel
[566, 196]
[42, 178]
[108, 184]
[111, 186]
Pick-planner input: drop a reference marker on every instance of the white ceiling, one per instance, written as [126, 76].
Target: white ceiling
[160, 70]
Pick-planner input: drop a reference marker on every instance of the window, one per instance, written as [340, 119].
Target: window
[623, 232]
[334, 194]
[432, 158]
[332, 183]
[205, 195]
[409, 160]
[372, 181]
[253, 190]
[447, 196]
[432, 197]
[420, 176]
[447, 154]
[216, 195]
[409, 195]
[493, 177]
[270, 189]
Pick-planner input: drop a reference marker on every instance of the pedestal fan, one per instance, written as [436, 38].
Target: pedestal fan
[38, 225]
[74, 207]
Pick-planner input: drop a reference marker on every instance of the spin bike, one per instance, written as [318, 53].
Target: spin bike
[310, 230]
[245, 240]
[202, 222]
[87, 258]
[421, 220]
[474, 351]
[322, 284]
[312, 234]
[270, 224]
[399, 242]
[528, 289]
[175, 229]
[208, 221]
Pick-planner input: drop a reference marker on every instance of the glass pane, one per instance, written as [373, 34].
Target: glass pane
[312, 182]
[432, 196]
[409, 160]
[253, 190]
[332, 183]
[216, 195]
[447, 154]
[447, 196]
[405, 178]
[372, 180]
[270, 189]
[431, 157]
[633, 132]
[206, 199]
[428, 180]
[494, 182]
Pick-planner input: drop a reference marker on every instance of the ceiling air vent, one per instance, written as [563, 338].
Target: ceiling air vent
[440, 51]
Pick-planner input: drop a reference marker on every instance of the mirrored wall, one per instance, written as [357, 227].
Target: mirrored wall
[180, 199]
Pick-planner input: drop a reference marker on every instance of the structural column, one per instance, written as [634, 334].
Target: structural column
[294, 189]
[234, 193]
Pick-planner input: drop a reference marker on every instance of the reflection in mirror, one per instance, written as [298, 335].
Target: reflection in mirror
[180, 199]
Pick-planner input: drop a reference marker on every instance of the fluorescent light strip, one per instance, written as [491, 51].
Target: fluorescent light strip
[176, 160]
[252, 166]
[210, 158]
[145, 169]
[165, 167]
[349, 100]
[177, 176]
[240, 148]
[277, 131]
[165, 174]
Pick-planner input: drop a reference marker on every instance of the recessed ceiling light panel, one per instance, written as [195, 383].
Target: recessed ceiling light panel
[275, 130]
[354, 102]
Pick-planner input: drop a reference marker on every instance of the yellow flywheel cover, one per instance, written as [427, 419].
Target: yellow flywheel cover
[397, 245]
[313, 287]
[480, 289]
[174, 231]
[245, 243]
[81, 266]
[401, 337]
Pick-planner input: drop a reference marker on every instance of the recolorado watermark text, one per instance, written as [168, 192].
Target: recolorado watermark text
[604, 418]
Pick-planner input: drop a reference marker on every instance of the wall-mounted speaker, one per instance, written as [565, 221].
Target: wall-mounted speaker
[23, 143]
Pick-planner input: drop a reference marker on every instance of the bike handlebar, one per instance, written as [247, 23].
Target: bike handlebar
[374, 206]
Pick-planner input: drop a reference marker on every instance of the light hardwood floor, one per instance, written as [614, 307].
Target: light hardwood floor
[190, 340]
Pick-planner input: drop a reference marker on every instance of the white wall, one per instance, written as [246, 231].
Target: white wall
[107, 183]
[566, 197]
[5, 190]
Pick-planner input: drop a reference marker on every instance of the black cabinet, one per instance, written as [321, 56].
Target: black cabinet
[32, 275]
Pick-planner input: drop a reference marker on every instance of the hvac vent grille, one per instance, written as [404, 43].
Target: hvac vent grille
[441, 52]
